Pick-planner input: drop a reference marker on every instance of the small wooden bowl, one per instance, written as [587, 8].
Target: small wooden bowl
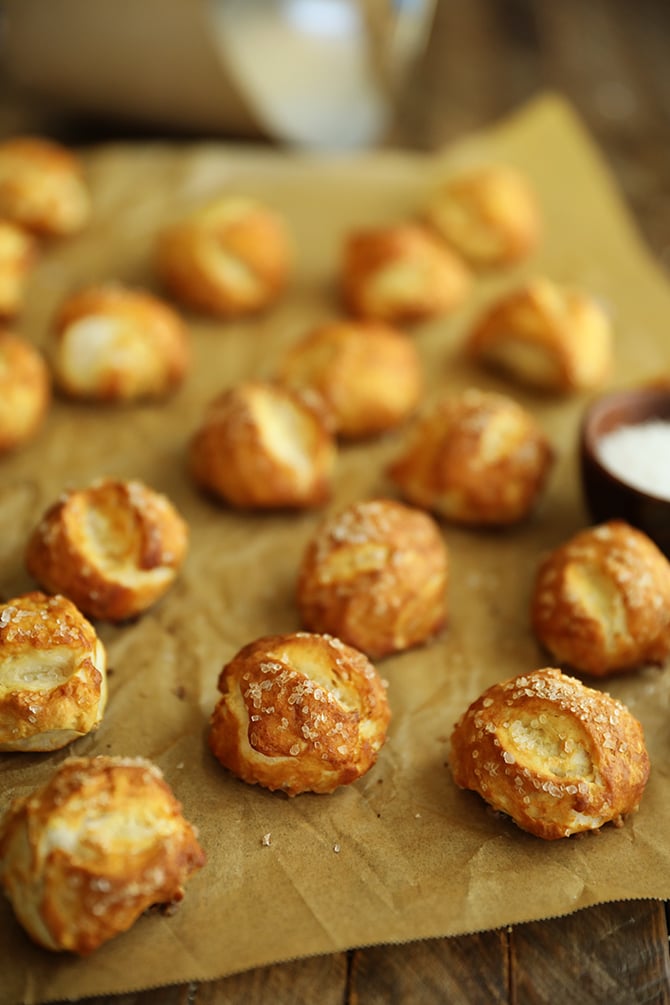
[607, 494]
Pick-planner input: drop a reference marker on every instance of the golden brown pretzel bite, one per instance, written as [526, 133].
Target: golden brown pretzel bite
[113, 548]
[53, 685]
[299, 713]
[556, 756]
[601, 601]
[476, 458]
[489, 215]
[25, 391]
[545, 336]
[375, 574]
[85, 854]
[401, 273]
[229, 258]
[42, 186]
[18, 253]
[264, 446]
[113, 343]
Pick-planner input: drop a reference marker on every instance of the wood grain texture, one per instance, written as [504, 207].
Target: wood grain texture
[484, 58]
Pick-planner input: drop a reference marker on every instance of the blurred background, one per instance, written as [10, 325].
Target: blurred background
[344, 74]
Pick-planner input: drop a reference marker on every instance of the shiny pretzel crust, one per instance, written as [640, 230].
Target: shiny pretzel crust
[42, 187]
[25, 391]
[53, 685]
[556, 756]
[18, 254]
[375, 575]
[475, 458]
[300, 713]
[601, 601]
[83, 856]
[114, 548]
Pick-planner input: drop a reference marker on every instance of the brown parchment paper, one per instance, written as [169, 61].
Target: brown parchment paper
[416, 857]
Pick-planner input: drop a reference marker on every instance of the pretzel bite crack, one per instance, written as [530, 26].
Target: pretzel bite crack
[300, 712]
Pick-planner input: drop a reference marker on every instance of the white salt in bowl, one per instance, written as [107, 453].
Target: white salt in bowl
[625, 460]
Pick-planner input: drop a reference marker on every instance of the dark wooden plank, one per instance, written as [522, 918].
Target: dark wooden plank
[468, 970]
[614, 953]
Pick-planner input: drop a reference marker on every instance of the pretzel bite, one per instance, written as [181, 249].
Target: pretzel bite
[42, 187]
[111, 343]
[114, 548]
[18, 253]
[299, 713]
[556, 756]
[401, 273]
[85, 854]
[229, 258]
[367, 374]
[545, 336]
[375, 575]
[488, 215]
[601, 601]
[475, 458]
[53, 685]
[25, 391]
[264, 446]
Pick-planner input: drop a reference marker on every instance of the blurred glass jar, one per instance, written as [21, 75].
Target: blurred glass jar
[317, 73]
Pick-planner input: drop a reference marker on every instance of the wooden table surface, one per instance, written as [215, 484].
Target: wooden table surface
[611, 59]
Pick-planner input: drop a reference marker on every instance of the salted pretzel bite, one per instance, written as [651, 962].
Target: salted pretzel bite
[53, 685]
[114, 343]
[113, 548]
[375, 574]
[601, 601]
[25, 391]
[264, 446]
[401, 273]
[368, 374]
[299, 713]
[228, 258]
[42, 187]
[18, 254]
[546, 336]
[554, 755]
[489, 215]
[476, 458]
[87, 852]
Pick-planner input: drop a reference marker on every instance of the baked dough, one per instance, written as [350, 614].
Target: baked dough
[53, 685]
[556, 756]
[401, 273]
[114, 548]
[25, 391]
[546, 336]
[601, 601]
[476, 458]
[229, 258]
[85, 854]
[42, 187]
[375, 575]
[262, 446]
[18, 254]
[489, 215]
[367, 374]
[113, 343]
[299, 713]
